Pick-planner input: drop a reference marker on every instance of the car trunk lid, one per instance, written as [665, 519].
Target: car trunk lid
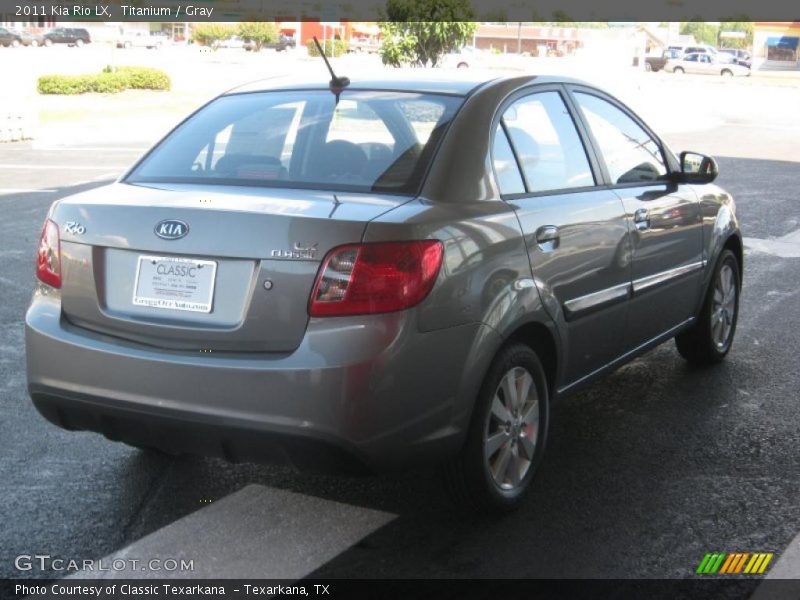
[260, 248]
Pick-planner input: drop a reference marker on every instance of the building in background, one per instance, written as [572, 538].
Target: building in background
[521, 38]
[776, 44]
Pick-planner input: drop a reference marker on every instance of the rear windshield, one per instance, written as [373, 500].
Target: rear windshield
[369, 141]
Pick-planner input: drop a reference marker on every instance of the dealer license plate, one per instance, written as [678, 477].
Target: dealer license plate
[175, 283]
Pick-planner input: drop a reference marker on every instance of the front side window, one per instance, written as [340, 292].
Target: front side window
[630, 154]
[547, 144]
[368, 141]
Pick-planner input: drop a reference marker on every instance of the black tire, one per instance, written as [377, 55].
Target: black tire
[677, 71]
[726, 73]
[468, 478]
[697, 344]
[462, 65]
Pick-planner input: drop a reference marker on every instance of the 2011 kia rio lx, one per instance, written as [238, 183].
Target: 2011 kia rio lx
[391, 273]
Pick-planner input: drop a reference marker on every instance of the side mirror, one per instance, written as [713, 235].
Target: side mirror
[697, 168]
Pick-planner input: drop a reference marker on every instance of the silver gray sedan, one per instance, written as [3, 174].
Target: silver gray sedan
[367, 277]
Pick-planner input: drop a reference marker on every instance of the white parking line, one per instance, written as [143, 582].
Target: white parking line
[787, 246]
[24, 191]
[786, 568]
[257, 532]
[61, 148]
[29, 167]
[788, 565]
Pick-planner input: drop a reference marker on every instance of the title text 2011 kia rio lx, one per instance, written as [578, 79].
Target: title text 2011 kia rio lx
[394, 273]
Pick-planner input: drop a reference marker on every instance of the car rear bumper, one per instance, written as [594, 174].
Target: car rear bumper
[359, 392]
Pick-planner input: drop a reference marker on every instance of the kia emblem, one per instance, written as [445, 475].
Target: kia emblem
[171, 229]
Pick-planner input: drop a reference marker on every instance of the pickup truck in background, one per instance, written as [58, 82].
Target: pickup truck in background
[656, 63]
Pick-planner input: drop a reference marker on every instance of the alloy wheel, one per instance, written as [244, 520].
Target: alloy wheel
[512, 429]
[723, 307]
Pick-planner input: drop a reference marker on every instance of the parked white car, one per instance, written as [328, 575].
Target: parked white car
[139, 39]
[464, 58]
[705, 64]
[232, 42]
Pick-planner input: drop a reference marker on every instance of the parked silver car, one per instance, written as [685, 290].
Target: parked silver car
[706, 64]
[392, 273]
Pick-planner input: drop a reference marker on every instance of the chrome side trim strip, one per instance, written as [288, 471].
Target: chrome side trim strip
[585, 304]
[650, 281]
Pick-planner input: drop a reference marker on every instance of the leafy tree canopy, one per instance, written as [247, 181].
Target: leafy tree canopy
[259, 33]
[420, 32]
[211, 34]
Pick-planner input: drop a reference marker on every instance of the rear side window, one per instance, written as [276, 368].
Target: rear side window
[630, 154]
[509, 178]
[547, 144]
[367, 141]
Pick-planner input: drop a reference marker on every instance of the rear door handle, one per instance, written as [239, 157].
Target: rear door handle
[547, 237]
[641, 219]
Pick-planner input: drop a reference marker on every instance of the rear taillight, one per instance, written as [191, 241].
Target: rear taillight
[48, 263]
[361, 279]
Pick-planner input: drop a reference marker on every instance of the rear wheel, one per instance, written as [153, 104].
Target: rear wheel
[709, 340]
[48, 43]
[678, 71]
[727, 73]
[648, 67]
[506, 437]
[15, 44]
[462, 65]
[34, 43]
[78, 43]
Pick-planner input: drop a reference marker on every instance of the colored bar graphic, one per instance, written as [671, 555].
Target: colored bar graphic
[711, 562]
[704, 563]
[724, 563]
[732, 558]
[740, 564]
[766, 562]
[717, 564]
[749, 568]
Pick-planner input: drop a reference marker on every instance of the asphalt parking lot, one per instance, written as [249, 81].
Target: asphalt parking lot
[645, 471]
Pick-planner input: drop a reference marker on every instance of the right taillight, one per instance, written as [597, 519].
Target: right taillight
[48, 262]
[372, 278]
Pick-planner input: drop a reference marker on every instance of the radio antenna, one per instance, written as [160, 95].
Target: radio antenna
[337, 84]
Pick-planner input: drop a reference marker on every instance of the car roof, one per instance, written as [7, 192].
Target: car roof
[401, 80]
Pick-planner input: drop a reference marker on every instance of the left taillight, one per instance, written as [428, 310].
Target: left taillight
[48, 262]
[373, 278]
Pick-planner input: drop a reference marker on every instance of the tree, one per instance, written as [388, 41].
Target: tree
[745, 27]
[259, 33]
[420, 32]
[704, 33]
[211, 34]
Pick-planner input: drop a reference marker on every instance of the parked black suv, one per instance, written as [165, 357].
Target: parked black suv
[67, 35]
[9, 38]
